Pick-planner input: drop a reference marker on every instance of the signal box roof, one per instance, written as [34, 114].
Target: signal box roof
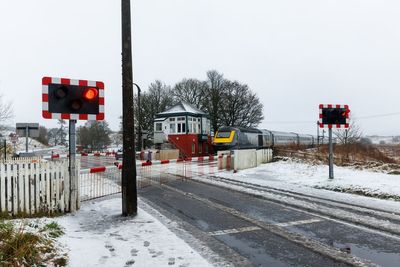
[182, 109]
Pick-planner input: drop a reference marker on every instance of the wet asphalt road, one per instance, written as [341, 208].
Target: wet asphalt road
[263, 248]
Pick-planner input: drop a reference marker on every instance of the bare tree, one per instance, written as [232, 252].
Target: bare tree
[62, 132]
[58, 136]
[157, 99]
[350, 135]
[214, 96]
[240, 107]
[228, 103]
[53, 137]
[191, 91]
[6, 112]
[231, 103]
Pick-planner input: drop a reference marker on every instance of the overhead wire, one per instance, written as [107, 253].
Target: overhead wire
[354, 118]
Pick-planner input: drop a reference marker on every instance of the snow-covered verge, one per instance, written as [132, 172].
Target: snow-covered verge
[313, 179]
[97, 235]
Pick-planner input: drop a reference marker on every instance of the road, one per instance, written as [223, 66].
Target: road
[88, 162]
[253, 225]
[277, 229]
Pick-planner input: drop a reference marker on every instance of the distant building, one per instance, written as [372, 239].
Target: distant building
[185, 127]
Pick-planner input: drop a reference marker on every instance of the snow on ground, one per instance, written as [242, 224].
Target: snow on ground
[33, 145]
[97, 235]
[313, 180]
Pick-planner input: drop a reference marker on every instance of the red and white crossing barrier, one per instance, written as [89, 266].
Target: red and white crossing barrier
[98, 169]
[58, 156]
[148, 163]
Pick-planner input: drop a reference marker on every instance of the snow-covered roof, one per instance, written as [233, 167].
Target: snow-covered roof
[182, 108]
[160, 119]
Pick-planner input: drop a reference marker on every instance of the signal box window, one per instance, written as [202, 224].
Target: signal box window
[181, 127]
[158, 127]
[172, 128]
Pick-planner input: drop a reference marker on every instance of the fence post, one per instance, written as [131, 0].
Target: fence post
[2, 187]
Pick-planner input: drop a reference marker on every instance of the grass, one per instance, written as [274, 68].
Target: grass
[53, 229]
[360, 156]
[358, 152]
[30, 244]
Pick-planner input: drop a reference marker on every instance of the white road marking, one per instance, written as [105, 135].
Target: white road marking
[255, 228]
[235, 231]
[294, 223]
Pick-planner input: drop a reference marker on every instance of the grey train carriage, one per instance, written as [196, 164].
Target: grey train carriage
[232, 138]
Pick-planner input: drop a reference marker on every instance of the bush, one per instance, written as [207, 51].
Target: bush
[20, 247]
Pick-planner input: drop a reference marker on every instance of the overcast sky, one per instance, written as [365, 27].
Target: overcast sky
[295, 54]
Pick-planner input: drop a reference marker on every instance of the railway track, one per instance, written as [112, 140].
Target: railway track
[378, 220]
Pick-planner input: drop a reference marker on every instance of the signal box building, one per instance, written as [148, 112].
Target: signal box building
[186, 127]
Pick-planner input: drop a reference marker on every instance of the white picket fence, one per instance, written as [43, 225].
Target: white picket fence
[31, 187]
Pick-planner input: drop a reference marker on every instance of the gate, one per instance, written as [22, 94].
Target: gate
[104, 181]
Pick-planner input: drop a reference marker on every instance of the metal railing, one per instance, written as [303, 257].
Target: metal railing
[103, 181]
[99, 182]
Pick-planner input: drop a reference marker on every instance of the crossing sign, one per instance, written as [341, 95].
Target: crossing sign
[334, 116]
[70, 99]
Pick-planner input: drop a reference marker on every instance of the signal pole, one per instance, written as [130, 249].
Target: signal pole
[330, 154]
[129, 192]
[317, 135]
[74, 205]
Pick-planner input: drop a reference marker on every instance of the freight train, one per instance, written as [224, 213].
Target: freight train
[232, 138]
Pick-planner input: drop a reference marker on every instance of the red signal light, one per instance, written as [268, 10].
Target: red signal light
[346, 113]
[90, 94]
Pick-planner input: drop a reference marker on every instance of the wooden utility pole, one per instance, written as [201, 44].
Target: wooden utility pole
[129, 192]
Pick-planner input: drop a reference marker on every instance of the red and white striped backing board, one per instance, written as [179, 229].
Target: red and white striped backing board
[66, 116]
[321, 125]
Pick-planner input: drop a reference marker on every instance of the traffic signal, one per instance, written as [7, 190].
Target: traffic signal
[72, 99]
[334, 116]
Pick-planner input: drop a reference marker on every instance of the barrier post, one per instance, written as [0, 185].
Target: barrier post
[228, 162]
[220, 159]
